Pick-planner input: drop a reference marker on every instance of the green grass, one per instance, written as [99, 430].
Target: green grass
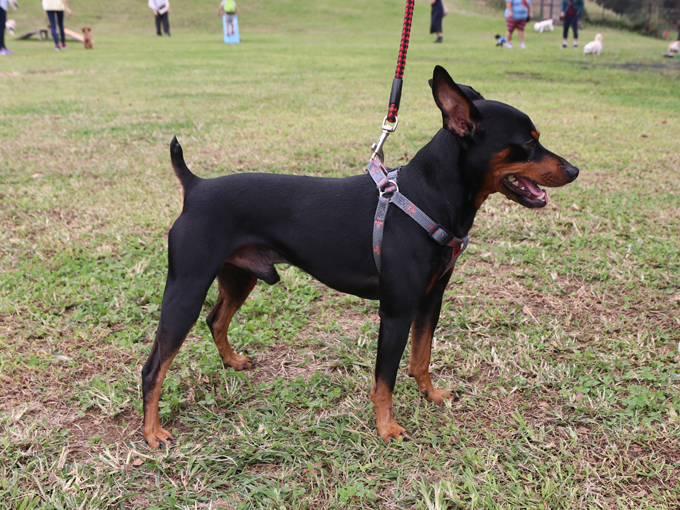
[559, 329]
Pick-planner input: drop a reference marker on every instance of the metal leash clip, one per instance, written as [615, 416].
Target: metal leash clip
[387, 129]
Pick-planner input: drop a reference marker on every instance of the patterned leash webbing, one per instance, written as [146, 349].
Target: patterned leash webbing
[395, 95]
[389, 193]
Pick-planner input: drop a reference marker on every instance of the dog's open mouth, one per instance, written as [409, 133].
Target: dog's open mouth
[526, 191]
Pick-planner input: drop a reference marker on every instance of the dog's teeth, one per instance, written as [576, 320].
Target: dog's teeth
[522, 188]
[512, 178]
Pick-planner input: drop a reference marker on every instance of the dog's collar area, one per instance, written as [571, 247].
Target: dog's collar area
[388, 190]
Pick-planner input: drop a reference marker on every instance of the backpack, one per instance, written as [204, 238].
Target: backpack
[229, 6]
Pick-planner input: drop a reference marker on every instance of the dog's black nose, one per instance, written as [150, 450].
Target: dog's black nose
[572, 171]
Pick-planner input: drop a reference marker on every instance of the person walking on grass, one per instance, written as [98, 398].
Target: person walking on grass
[436, 17]
[3, 19]
[517, 14]
[229, 9]
[571, 11]
[161, 10]
[55, 13]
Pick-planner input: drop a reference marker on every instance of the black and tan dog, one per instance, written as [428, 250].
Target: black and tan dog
[236, 228]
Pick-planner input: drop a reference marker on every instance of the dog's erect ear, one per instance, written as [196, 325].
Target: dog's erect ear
[461, 117]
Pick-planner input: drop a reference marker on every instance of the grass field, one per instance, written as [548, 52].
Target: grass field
[559, 328]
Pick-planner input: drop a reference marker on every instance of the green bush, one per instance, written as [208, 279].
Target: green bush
[638, 22]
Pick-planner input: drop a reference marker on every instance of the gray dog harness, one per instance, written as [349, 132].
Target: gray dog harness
[389, 193]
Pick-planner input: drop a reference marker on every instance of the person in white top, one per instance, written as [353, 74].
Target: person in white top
[3, 19]
[161, 9]
[55, 13]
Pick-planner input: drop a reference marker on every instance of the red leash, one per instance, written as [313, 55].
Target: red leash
[386, 181]
[395, 95]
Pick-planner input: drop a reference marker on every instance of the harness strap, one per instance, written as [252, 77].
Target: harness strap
[386, 183]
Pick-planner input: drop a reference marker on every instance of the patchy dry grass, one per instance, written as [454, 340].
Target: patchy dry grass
[559, 329]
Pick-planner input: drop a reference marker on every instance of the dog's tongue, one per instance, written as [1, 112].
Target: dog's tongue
[528, 184]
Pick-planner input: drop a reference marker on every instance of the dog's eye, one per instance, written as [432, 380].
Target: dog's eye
[530, 147]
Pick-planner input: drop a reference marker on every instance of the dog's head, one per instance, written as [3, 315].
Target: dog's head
[501, 148]
[86, 30]
[598, 37]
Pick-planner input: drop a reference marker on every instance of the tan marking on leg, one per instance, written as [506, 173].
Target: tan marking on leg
[153, 432]
[419, 368]
[229, 301]
[388, 428]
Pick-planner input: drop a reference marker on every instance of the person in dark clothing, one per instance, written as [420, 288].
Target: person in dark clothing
[161, 10]
[571, 11]
[438, 13]
[55, 13]
[3, 19]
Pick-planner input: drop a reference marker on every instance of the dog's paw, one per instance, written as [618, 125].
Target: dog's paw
[438, 396]
[159, 437]
[392, 432]
[238, 362]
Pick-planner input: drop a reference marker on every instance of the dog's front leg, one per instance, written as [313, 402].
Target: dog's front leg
[422, 332]
[391, 343]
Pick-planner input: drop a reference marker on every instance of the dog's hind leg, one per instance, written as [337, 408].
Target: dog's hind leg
[234, 286]
[422, 332]
[182, 302]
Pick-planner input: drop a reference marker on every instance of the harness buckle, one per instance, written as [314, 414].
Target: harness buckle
[441, 236]
[388, 189]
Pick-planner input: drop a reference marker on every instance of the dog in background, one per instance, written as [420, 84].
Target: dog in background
[87, 38]
[10, 25]
[593, 47]
[542, 26]
[500, 40]
[674, 47]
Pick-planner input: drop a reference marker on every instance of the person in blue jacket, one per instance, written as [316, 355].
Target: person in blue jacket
[517, 14]
[571, 11]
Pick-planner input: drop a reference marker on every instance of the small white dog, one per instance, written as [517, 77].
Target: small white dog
[593, 47]
[10, 25]
[674, 47]
[542, 26]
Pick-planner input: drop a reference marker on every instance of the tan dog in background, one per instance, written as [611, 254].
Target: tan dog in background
[87, 38]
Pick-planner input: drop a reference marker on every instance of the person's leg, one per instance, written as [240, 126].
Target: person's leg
[520, 35]
[60, 22]
[574, 27]
[158, 24]
[508, 35]
[51, 15]
[3, 19]
[436, 26]
[166, 23]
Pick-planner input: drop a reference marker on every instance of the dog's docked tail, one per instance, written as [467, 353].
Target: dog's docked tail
[185, 176]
